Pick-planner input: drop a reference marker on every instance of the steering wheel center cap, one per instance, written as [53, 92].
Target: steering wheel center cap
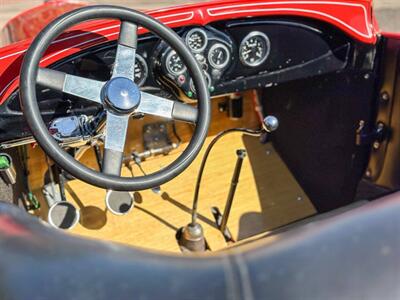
[121, 95]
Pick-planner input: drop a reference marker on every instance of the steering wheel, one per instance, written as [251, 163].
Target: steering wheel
[120, 97]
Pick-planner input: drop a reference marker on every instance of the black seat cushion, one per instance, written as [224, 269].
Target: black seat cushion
[354, 255]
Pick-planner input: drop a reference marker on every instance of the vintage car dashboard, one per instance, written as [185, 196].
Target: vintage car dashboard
[235, 56]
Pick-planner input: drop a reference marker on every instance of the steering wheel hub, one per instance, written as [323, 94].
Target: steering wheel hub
[121, 95]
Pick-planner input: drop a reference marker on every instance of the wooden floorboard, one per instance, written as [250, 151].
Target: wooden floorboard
[267, 195]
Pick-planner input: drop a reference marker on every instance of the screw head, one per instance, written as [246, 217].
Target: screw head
[385, 97]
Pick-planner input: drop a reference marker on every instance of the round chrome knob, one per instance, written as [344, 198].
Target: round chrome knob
[270, 123]
[121, 95]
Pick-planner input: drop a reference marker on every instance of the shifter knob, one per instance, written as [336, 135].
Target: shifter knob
[270, 123]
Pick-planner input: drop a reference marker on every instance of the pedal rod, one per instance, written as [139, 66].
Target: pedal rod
[241, 154]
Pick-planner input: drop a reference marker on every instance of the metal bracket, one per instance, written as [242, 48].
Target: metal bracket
[374, 137]
[155, 135]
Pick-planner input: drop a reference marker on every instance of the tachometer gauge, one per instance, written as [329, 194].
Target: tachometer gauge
[197, 40]
[254, 49]
[219, 56]
[174, 64]
[141, 70]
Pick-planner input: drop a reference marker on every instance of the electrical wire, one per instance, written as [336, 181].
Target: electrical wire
[245, 131]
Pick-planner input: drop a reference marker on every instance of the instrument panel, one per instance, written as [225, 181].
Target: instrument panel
[216, 52]
[213, 52]
[235, 55]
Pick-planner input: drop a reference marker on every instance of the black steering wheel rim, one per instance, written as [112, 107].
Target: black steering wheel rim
[33, 117]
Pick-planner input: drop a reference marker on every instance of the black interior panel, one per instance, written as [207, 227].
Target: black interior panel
[316, 138]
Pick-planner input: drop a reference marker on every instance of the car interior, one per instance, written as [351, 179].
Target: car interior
[268, 130]
[318, 83]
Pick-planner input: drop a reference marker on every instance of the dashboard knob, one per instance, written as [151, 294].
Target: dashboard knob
[270, 123]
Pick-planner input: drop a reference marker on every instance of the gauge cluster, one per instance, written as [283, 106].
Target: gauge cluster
[217, 53]
[213, 51]
[159, 66]
[235, 55]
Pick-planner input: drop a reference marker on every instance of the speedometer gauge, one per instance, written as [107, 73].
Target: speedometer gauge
[174, 64]
[254, 49]
[141, 70]
[219, 56]
[197, 40]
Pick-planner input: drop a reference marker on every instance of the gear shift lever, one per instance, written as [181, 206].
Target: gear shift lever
[191, 237]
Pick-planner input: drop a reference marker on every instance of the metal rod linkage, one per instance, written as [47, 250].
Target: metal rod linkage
[241, 154]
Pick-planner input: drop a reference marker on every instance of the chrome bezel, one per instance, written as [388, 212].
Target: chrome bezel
[228, 57]
[246, 38]
[167, 59]
[146, 69]
[202, 32]
[52, 207]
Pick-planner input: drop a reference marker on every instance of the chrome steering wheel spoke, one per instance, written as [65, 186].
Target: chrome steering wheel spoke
[115, 137]
[162, 107]
[84, 88]
[124, 65]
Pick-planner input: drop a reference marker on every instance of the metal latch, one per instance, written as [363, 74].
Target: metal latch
[374, 137]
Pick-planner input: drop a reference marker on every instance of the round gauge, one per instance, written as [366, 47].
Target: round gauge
[174, 64]
[196, 39]
[254, 49]
[141, 70]
[219, 56]
[206, 76]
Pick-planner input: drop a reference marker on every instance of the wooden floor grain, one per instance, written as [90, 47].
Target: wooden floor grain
[267, 195]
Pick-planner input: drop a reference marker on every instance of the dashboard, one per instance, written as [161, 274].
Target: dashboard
[234, 55]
